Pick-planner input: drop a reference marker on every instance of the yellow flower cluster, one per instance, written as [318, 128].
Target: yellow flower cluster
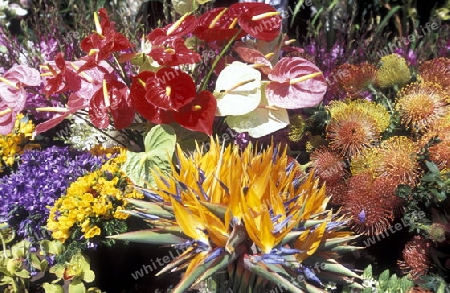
[97, 196]
[12, 144]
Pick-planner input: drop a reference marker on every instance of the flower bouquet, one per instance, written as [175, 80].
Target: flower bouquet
[231, 146]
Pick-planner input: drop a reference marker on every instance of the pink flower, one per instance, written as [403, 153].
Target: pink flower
[13, 94]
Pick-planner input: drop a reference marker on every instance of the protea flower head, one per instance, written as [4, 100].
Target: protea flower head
[254, 216]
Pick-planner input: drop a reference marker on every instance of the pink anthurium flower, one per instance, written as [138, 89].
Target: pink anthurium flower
[13, 94]
[295, 83]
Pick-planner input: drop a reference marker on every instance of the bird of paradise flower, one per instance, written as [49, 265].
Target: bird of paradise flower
[252, 212]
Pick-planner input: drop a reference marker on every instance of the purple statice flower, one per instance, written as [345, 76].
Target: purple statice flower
[242, 140]
[409, 55]
[49, 48]
[42, 177]
[36, 100]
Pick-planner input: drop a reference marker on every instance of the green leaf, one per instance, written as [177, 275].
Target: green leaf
[217, 264]
[188, 280]
[52, 288]
[24, 274]
[217, 209]
[20, 249]
[76, 286]
[149, 236]
[338, 268]
[184, 6]
[51, 247]
[160, 140]
[432, 167]
[262, 270]
[159, 144]
[386, 18]
[88, 276]
[152, 208]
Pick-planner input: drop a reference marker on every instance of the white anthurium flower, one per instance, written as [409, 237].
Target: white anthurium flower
[3, 4]
[264, 120]
[17, 10]
[238, 89]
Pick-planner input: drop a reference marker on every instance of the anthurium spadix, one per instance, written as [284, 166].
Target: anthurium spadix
[265, 119]
[238, 89]
[295, 83]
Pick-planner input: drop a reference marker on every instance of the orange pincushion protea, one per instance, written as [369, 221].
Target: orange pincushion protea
[355, 125]
[421, 104]
[416, 257]
[371, 203]
[436, 70]
[328, 165]
[399, 160]
[351, 79]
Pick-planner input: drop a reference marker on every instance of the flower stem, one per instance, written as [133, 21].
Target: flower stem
[216, 61]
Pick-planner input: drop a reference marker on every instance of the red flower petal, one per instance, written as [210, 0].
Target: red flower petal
[267, 28]
[180, 28]
[198, 115]
[119, 107]
[210, 28]
[142, 105]
[307, 93]
[171, 89]
[121, 110]
[174, 53]
[74, 104]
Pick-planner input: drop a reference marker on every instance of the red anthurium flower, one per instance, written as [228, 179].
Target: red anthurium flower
[217, 24]
[74, 104]
[255, 57]
[58, 76]
[13, 95]
[174, 53]
[182, 27]
[105, 41]
[112, 98]
[199, 114]
[295, 83]
[169, 89]
[259, 20]
[140, 103]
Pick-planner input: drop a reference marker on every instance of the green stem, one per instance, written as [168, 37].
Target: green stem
[382, 98]
[4, 246]
[216, 61]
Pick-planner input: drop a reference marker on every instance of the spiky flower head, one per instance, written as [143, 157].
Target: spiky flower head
[328, 165]
[351, 80]
[392, 70]
[371, 203]
[355, 125]
[421, 104]
[248, 211]
[366, 161]
[437, 71]
[437, 139]
[399, 160]
[416, 257]
[337, 191]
